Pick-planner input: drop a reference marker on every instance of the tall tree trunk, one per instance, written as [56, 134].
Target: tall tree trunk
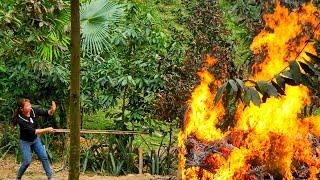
[74, 161]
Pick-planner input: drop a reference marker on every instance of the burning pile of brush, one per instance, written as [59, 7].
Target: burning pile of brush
[270, 139]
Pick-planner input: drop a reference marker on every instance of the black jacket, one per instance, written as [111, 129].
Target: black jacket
[28, 125]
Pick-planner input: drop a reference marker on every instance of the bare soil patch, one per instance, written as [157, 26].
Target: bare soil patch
[9, 168]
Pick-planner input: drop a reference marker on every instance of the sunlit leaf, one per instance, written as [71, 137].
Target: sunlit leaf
[267, 88]
[314, 58]
[290, 81]
[233, 85]
[97, 17]
[306, 80]
[240, 82]
[279, 89]
[309, 68]
[246, 96]
[287, 74]
[295, 71]
[255, 97]
[306, 68]
[280, 81]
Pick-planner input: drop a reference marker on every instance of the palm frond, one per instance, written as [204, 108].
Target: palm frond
[97, 19]
[56, 39]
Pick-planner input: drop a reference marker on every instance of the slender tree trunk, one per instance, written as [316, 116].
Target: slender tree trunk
[123, 108]
[5, 132]
[74, 161]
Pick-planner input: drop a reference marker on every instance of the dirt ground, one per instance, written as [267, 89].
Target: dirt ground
[8, 170]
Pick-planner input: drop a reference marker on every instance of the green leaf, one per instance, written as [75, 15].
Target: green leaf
[240, 82]
[279, 89]
[97, 17]
[3, 69]
[130, 79]
[112, 162]
[261, 87]
[266, 88]
[290, 81]
[124, 82]
[255, 98]
[295, 71]
[306, 80]
[306, 68]
[220, 93]
[281, 81]
[309, 65]
[250, 94]
[316, 112]
[233, 85]
[287, 74]
[246, 96]
[314, 58]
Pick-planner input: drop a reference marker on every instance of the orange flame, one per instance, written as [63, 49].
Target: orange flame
[203, 116]
[275, 134]
[286, 40]
[210, 60]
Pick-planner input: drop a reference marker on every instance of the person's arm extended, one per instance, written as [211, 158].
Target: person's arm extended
[42, 112]
[41, 131]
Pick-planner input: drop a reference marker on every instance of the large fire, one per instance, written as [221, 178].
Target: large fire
[273, 136]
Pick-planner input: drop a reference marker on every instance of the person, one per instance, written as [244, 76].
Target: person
[26, 117]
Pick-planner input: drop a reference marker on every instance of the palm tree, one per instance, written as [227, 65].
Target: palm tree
[98, 18]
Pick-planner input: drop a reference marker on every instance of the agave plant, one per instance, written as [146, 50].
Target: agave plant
[97, 17]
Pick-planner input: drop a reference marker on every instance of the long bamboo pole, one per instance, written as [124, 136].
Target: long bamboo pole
[89, 131]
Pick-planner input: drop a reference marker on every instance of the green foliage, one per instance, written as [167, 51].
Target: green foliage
[158, 141]
[222, 29]
[316, 112]
[54, 145]
[98, 120]
[109, 156]
[116, 167]
[10, 144]
[251, 94]
[237, 17]
[202, 20]
[291, 75]
[129, 77]
[56, 38]
[98, 21]
[35, 40]
[39, 26]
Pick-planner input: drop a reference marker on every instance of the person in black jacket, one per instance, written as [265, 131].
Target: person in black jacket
[26, 117]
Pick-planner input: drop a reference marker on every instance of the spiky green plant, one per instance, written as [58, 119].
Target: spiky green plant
[98, 19]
